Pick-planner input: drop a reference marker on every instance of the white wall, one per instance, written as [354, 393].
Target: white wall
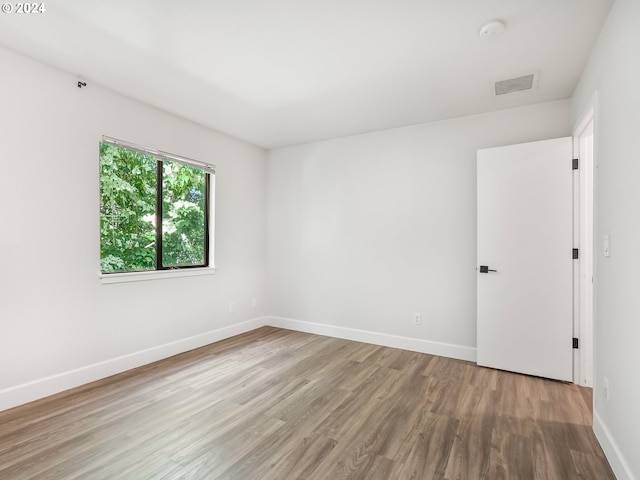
[55, 315]
[613, 71]
[364, 231]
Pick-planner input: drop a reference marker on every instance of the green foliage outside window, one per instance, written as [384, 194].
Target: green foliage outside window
[183, 215]
[128, 212]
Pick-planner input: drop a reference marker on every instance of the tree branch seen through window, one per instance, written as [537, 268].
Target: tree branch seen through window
[136, 191]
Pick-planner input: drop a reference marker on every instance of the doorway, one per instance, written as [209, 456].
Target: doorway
[582, 184]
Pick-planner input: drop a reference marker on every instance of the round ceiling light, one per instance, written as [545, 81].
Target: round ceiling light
[492, 29]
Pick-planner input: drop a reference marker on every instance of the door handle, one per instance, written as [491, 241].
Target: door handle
[486, 269]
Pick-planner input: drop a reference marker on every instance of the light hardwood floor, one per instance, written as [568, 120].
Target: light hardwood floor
[275, 404]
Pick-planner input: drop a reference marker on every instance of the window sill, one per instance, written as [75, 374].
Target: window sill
[107, 278]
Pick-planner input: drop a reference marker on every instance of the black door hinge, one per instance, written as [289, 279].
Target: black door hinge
[575, 254]
[574, 164]
[486, 269]
[575, 343]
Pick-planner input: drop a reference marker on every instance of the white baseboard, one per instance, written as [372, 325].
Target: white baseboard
[384, 339]
[28, 392]
[611, 450]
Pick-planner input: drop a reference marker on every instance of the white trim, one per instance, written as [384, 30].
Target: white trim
[459, 352]
[584, 149]
[588, 114]
[27, 392]
[37, 389]
[578, 205]
[611, 450]
[107, 278]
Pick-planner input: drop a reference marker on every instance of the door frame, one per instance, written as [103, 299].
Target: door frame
[584, 143]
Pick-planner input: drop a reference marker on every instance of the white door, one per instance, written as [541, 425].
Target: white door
[525, 230]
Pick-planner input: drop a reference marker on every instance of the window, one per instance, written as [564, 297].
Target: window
[154, 210]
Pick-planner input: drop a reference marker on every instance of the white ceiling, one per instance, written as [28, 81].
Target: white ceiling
[282, 72]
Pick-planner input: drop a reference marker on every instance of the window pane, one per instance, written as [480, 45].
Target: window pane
[183, 215]
[127, 210]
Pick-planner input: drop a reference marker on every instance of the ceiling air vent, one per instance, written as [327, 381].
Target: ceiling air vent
[518, 84]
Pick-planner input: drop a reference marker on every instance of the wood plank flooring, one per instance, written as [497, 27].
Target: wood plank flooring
[275, 404]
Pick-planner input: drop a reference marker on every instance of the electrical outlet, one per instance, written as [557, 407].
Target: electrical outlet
[417, 319]
[254, 302]
[605, 389]
[232, 307]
